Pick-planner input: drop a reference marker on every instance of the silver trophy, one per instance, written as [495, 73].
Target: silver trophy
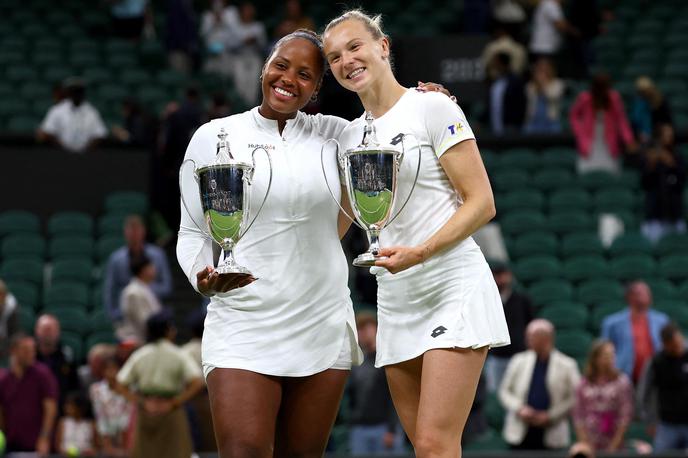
[370, 176]
[225, 190]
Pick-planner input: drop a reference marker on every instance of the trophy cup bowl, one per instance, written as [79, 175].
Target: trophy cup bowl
[225, 191]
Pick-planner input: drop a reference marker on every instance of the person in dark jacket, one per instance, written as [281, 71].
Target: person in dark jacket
[507, 99]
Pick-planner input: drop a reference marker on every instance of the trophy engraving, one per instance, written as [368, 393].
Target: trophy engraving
[225, 190]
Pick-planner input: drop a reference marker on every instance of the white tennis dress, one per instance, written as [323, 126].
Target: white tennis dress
[451, 300]
[297, 319]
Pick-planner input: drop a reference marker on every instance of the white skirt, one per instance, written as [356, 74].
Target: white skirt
[451, 301]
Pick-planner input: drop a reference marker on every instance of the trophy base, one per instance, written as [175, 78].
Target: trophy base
[367, 260]
[232, 269]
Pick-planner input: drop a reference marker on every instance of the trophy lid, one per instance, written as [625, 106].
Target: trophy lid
[369, 143]
[223, 154]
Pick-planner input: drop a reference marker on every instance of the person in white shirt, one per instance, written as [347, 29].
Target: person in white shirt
[549, 27]
[218, 29]
[276, 352]
[138, 302]
[73, 124]
[248, 57]
[438, 306]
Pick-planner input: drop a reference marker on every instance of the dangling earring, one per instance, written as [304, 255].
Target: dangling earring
[314, 97]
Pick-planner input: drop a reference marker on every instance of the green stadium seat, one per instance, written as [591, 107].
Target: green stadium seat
[560, 157]
[153, 54]
[630, 243]
[27, 294]
[634, 266]
[569, 199]
[585, 267]
[96, 76]
[593, 181]
[70, 223]
[106, 245]
[593, 292]
[26, 269]
[21, 73]
[574, 343]
[527, 199]
[71, 246]
[509, 180]
[675, 70]
[534, 243]
[518, 158]
[490, 440]
[69, 31]
[19, 246]
[672, 244]
[676, 310]
[126, 202]
[23, 124]
[134, 77]
[72, 269]
[112, 224]
[674, 267]
[534, 268]
[34, 89]
[581, 243]
[171, 79]
[637, 430]
[27, 319]
[566, 222]
[552, 178]
[57, 73]
[662, 289]
[84, 60]
[20, 221]
[517, 223]
[565, 317]
[545, 292]
[112, 93]
[67, 294]
[603, 310]
[611, 200]
[100, 322]
[494, 411]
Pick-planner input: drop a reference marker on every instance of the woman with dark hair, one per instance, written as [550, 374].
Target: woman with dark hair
[159, 378]
[276, 352]
[604, 400]
[600, 126]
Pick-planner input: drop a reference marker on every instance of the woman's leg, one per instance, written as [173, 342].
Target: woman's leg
[309, 409]
[244, 407]
[448, 383]
[404, 385]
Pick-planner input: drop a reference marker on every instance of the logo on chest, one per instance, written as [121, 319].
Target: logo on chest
[265, 146]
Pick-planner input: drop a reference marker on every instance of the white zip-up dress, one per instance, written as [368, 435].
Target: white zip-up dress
[297, 319]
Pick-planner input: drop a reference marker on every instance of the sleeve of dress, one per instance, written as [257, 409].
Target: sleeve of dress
[445, 122]
[194, 246]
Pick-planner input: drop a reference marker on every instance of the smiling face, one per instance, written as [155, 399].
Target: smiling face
[290, 77]
[355, 56]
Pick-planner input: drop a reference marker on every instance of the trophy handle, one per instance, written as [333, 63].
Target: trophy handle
[250, 179]
[415, 180]
[181, 193]
[340, 162]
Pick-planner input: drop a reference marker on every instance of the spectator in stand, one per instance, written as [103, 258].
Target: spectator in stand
[248, 59]
[160, 378]
[28, 399]
[538, 392]
[599, 124]
[58, 358]
[138, 128]
[518, 310]
[76, 430]
[138, 301]
[113, 412]
[663, 392]
[544, 92]
[294, 19]
[73, 124]
[374, 423]
[604, 401]
[585, 17]
[510, 16]
[635, 332]
[181, 38]
[129, 17]
[507, 101]
[118, 268]
[650, 111]
[549, 27]
[93, 371]
[504, 43]
[9, 320]
[219, 32]
[664, 179]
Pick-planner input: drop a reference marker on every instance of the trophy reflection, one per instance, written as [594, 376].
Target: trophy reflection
[225, 192]
[370, 177]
